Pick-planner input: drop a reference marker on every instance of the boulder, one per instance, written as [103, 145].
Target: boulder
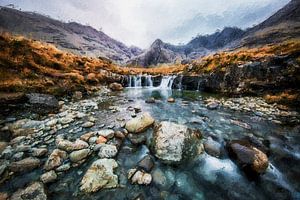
[115, 87]
[139, 177]
[140, 123]
[173, 142]
[100, 175]
[55, 159]
[35, 191]
[42, 102]
[25, 165]
[69, 146]
[251, 159]
[79, 155]
[49, 177]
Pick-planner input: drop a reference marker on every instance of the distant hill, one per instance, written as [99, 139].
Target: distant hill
[282, 26]
[74, 37]
[161, 52]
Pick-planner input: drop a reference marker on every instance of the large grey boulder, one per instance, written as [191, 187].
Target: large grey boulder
[173, 142]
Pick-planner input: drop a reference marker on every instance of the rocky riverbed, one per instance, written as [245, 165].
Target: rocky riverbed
[152, 144]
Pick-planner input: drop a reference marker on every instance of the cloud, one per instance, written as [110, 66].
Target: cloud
[140, 22]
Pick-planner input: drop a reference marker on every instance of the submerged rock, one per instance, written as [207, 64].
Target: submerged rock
[55, 159]
[248, 157]
[173, 141]
[35, 191]
[49, 177]
[163, 179]
[140, 123]
[25, 165]
[100, 175]
[139, 177]
[212, 147]
[150, 100]
[171, 100]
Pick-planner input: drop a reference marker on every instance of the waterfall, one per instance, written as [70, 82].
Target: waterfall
[180, 83]
[129, 82]
[138, 81]
[149, 82]
[167, 82]
[198, 85]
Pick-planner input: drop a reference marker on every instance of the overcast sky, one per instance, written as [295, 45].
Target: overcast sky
[140, 22]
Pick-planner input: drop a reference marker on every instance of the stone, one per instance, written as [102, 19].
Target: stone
[25, 165]
[115, 87]
[150, 100]
[3, 145]
[212, 105]
[139, 177]
[146, 163]
[49, 177]
[55, 159]
[140, 123]
[66, 120]
[69, 146]
[171, 100]
[63, 168]
[100, 175]
[51, 122]
[241, 124]
[79, 155]
[39, 152]
[101, 140]
[119, 134]
[34, 191]
[172, 142]
[85, 137]
[23, 148]
[87, 124]
[107, 150]
[93, 140]
[77, 95]
[163, 179]
[18, 156]
[212, 147]
[107, 133]
[251, 159]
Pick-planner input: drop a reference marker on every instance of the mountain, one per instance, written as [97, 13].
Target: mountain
[74, 37]
[283, 25]
[160, 52]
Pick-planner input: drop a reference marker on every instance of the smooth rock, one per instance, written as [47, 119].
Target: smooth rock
[146, 163]
[71, 146]
[100, 175]
[171, 100]
[87, 124]
[107, 133]
[25, 165]
[140, 123]
[85, 137]
[212, 147]
[139, 177]
[79, 155]
[101, 140]
[150, 100]
[39, 152]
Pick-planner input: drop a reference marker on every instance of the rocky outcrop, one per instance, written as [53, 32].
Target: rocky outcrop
[42, 102]
[173, 141]
[100, 175]
[140, 123]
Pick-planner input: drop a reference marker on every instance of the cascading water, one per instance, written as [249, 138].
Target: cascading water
[149, 81]
[138, 81]
[167, 82]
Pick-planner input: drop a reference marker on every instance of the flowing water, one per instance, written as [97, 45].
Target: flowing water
[205, 177]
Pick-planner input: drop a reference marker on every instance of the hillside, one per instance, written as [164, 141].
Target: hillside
[73, 37]
[160, 52]
[31, 66]
[283, 25]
